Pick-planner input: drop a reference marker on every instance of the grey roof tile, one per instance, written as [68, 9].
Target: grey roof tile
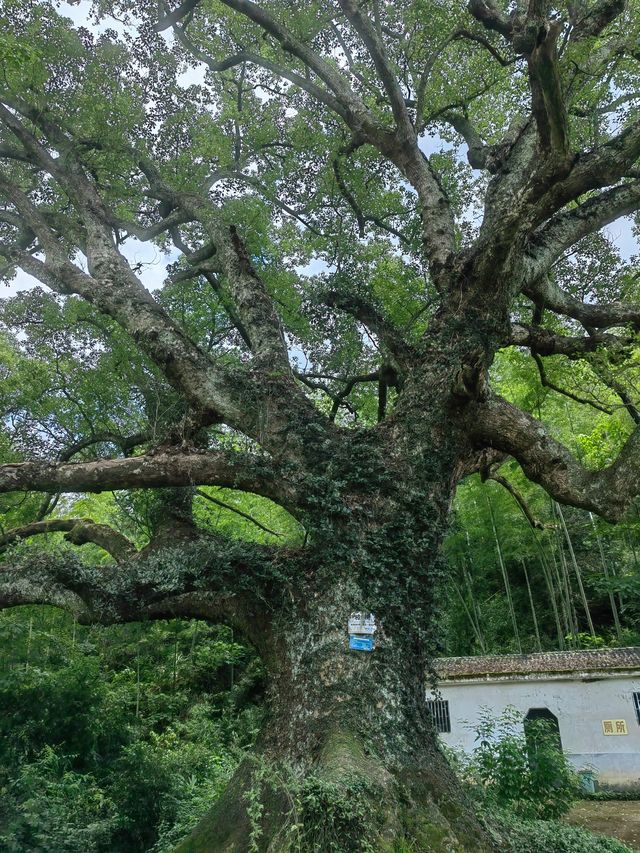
[584, 660]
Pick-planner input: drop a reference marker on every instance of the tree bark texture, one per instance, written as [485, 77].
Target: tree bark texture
[349, 757]
[348, 760]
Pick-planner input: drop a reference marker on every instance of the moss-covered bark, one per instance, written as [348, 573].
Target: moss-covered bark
[348, 759]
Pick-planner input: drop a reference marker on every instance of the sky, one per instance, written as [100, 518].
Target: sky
[153, 263]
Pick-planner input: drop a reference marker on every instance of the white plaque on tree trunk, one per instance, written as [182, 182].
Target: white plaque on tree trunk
[362, 623]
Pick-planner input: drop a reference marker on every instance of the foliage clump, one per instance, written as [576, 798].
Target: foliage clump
[522, 769]
[521, 786]
[119, 738]
[324, 815]
[335, 817]
[541, 836]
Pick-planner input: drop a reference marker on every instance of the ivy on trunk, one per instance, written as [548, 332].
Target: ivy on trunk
[304, 140]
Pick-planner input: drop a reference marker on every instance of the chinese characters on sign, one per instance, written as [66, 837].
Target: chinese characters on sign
[614, 727]
[362, 627]
[362, 623]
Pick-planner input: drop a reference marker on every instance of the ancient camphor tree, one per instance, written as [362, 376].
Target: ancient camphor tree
[304, 137]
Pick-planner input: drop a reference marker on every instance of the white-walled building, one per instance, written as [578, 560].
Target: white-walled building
[594, 696]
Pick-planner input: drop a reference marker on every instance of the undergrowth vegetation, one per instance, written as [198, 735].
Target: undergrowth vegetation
[521, 783]
[117, 739]
[521, 769]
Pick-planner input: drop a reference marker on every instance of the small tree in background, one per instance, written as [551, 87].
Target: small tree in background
[525, 770]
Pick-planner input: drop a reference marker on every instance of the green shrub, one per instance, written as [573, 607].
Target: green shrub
[50, 807]
[164, 786]
[518, 835]
[631, 794]
[117, 740]
[334, 817]
[56, 708]
[529, 774]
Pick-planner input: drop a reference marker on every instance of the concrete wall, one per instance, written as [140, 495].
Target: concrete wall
[580, 706]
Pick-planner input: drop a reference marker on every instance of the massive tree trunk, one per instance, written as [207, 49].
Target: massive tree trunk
[348, 759]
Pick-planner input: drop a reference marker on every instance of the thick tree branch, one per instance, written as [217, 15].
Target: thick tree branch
[115, 290]
[351, 106]
[367, 32]
[370, 317]
[534, 35]
[478, 152]
[544, 342]
[94, 606]
[547, 99]
[489, 15]
[219, 392]
[399, 144]
[248, 294]
[16, 590]
[602, 167]
[545, 184]
[176, 16]
[565, 229]
[547, 294]
[594, 20]
[607, 492]
[235, 471]
[247, 290]
[205, 579]
[79, 531]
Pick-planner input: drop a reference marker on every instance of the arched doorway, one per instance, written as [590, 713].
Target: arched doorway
[551, 725]
[541, 731]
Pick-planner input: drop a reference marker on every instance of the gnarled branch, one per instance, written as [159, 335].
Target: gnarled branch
[204, 579]
[607, 492]
[490, 16]
[79, 531]
[370, 317]
[232, 470]
[114, 289]
[596, 19]
[544, 342]
[565, 229]
[593, 315]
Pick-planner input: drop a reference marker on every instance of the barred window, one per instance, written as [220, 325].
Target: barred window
[439, 710]
[636, 705]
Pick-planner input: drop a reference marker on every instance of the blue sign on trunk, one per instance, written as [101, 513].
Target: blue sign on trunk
[361, 644]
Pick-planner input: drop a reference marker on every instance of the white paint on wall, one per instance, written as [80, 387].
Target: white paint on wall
[580, 704]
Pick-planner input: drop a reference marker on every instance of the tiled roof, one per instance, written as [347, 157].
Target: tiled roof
[591, 660]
